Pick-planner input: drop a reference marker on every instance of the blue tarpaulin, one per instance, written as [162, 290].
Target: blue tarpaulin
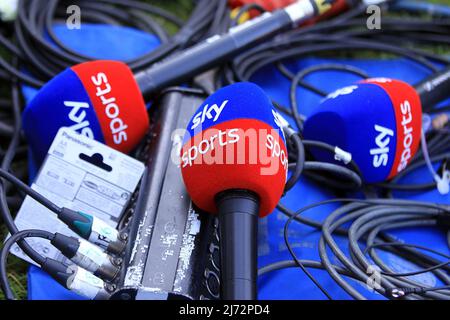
[106, 42]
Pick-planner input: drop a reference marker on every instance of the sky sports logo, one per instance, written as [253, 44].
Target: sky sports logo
[240, 144]
[381, 152]
[77, 115]
[208, 113]
[242, 141]
[78, 112]
[384, 136]
[407, 131]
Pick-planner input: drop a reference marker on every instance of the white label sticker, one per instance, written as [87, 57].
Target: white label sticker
[72, 182]
[89, 256]
[86, 284]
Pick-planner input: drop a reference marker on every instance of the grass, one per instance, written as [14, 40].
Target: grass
[17, 272]
[17, 268]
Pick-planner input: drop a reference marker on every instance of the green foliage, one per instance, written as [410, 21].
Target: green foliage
[17, 272]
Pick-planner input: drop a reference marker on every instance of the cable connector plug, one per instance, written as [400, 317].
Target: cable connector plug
[341, 155]
[58, 271]
[398, 293]
[87, 256]
[78, 280]
[443, 181]
[94, 230]
[283, 124]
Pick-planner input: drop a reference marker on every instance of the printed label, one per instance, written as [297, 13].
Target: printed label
[71, 182]
[86, 284]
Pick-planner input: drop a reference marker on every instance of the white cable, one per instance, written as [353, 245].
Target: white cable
[442, 183]
[341, 155]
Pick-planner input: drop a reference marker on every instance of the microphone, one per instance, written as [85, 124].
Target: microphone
[378, 121]
[98, 99]
[434, 88]
[219, 48]
[81, 95]
[234, 164]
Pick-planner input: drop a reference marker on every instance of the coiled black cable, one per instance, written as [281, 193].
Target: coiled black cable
[43, 61]
[45, 58]
[344, 35]
[367, 210]
[19, 237]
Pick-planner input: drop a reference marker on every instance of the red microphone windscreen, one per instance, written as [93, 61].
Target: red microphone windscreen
[408, 117]
[234, 142]
[98, 99]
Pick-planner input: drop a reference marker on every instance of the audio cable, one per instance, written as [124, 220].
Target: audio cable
[45, 57]
[23, 38]
[326, 174]
[85, 277]
[87, 226]
[328, 35]
[7, 164]
[207, 19]
[79, 251]
[343, 34]
[419, 7]
[370, 220]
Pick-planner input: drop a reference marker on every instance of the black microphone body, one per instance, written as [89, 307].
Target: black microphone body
[238, 229]
[434, 88]
[237, 177]
[219, 48]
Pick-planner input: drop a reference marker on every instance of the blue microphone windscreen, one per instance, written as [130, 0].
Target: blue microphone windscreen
[359, 119]
[99, 99]
[243, 100]
[63, 102]
[234, 141]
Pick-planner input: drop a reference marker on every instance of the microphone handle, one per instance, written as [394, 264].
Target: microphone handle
[238, 230]
[434, 88]
[219, 48]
